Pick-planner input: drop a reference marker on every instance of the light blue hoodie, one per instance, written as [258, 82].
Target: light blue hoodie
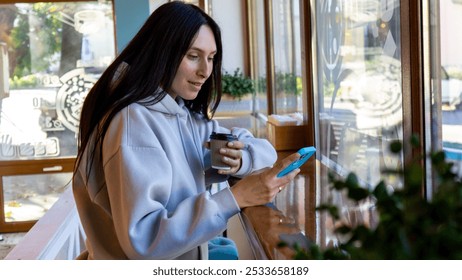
[148, 198]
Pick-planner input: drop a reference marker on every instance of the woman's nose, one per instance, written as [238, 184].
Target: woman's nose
[205, 68]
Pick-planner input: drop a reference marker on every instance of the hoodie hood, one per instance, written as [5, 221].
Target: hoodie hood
[170, 106]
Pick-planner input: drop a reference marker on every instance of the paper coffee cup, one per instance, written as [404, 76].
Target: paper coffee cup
[218, 141]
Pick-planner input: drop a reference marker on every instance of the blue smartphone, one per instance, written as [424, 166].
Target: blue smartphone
[305, 154]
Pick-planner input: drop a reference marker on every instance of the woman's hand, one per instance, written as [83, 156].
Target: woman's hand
[232, 156]
[261, 188]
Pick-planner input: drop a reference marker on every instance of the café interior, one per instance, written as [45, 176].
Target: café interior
[346, 77]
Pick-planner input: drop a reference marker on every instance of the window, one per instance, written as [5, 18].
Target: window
[51, 53]
[258, 54]
[287, 95]
[359, 109]
[358, 96]
[275, 59]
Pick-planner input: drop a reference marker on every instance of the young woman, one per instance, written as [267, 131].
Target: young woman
[142, 169]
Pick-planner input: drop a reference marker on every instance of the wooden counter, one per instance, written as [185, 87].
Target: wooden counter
[290, 218]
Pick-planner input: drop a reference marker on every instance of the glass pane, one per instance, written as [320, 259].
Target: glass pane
[51, 55]
[450, 77]
[359, 96]
[287, 56]
[28, 197]
[359, 85]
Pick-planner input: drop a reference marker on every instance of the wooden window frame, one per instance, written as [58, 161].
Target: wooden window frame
[28, 167]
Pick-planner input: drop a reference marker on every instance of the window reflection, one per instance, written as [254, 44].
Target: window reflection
[359, 86]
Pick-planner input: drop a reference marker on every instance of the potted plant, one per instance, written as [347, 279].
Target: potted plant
[409, 226]
[237, 85]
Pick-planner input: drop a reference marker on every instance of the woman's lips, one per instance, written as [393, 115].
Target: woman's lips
[196, 85]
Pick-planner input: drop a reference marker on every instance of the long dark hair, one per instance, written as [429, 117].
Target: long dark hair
[148, 62]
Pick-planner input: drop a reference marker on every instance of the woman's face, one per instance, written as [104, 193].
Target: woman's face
[196, 66]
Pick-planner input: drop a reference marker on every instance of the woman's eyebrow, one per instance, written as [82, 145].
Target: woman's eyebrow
[201, 50]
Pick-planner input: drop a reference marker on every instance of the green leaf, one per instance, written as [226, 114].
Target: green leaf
[358, 194]
[396, 147]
